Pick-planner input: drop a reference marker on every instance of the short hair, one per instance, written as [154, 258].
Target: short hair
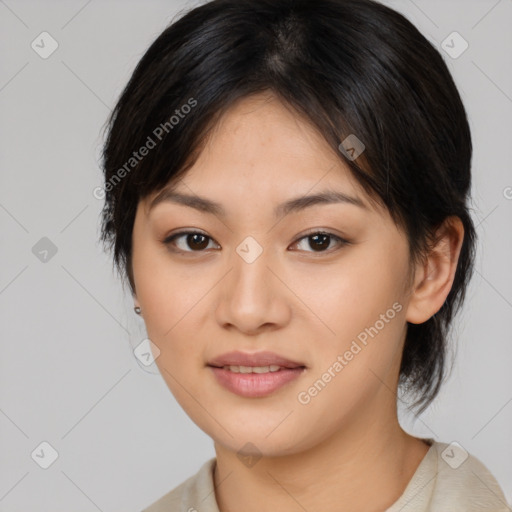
[348, 67]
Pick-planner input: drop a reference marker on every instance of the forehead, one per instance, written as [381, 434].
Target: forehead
[261, 148]
[260, 132]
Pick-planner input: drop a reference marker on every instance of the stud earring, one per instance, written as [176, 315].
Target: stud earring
[137, 310]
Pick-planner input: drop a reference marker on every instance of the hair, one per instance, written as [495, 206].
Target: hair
[347, 67]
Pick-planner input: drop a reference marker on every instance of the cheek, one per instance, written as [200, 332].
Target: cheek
[169, 292]
[363, 309]
[363, 322]
[352, 295]
[171, 297]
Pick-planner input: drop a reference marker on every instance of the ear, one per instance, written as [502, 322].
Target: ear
[434, 276]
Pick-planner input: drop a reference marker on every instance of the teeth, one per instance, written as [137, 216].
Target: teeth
[253, 369]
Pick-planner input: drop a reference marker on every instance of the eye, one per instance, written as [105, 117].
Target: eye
[319, 241]
[195, 240]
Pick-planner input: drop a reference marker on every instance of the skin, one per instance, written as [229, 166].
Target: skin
[304, 304]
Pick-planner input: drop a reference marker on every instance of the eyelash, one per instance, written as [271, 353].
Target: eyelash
[169, 241]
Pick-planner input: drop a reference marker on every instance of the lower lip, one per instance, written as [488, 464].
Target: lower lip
[254, 385]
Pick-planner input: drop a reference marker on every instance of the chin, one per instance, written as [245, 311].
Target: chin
[259, 440]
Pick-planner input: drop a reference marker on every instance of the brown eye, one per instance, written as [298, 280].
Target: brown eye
[320, 241]
[188, 241]
[196, 241]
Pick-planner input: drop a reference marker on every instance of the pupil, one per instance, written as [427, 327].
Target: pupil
[194, 238]
[324, 243]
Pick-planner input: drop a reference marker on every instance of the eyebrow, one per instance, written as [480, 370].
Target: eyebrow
[292, 205]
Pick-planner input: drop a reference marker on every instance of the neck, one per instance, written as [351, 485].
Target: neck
[364, 466]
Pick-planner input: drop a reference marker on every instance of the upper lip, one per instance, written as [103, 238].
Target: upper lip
[255, 359]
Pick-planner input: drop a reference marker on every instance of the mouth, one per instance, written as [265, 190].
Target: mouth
[257, 369]
[258, 362]
[257, 382]
[255, 375]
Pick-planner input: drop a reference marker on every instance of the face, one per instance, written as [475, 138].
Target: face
[322, 284]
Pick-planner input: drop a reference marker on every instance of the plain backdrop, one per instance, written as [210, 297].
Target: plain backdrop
[68, 375]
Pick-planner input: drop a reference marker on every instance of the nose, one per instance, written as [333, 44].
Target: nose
[253, 298]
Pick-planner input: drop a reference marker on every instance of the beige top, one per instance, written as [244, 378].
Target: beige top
[448, 479]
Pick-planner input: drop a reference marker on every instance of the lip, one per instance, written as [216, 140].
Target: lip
[255, 385]
[264, 358]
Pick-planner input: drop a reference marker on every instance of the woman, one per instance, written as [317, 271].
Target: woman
[287, 187]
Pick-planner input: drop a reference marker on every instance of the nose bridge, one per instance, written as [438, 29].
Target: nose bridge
[250, 262]
[250, 296]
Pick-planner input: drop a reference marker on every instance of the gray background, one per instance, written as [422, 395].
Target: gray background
[68, 374]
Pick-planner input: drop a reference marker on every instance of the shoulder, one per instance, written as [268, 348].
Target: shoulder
[450, 478]
[195, 493]
[464, 480]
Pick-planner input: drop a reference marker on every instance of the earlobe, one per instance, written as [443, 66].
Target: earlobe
[435, 274]
[136, 305]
